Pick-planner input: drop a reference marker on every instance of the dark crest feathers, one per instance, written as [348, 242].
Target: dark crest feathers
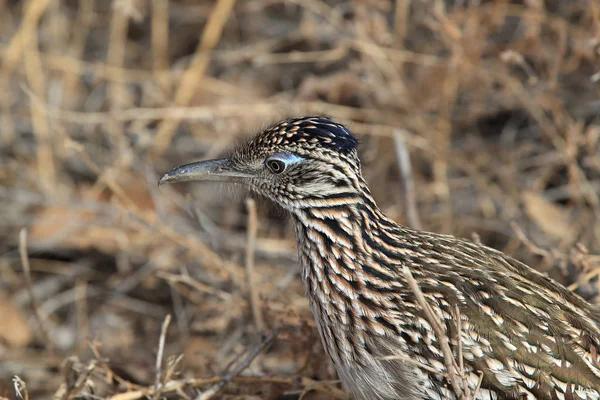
[316, 130]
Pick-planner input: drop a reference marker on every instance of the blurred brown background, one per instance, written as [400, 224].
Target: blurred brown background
[497, 103]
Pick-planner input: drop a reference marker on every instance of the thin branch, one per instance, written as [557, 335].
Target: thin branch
[238, 368]
[34, 304]
[528, 243]
[193, 75]
[136, 392]
[407, 180]
[461, 361]
[72, 389]
[159, 356]
[476, 392]
[406, 358]
[250, 251]
[461, 364]
[197, 285]
[449, 360]
[20, 388]
[401, 19]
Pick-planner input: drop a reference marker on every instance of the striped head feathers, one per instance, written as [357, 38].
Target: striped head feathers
[298, 163]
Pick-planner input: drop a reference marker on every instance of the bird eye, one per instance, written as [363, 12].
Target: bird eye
[276, 166]
[279, 162]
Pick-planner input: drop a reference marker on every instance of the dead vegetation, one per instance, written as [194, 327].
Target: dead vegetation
[116, 289]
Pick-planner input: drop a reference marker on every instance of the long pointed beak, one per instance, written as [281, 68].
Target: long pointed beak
[219, 169]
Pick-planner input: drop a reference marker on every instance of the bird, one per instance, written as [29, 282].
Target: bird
[404, 313]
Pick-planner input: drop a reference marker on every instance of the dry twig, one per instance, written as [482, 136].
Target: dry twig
[250, 251]
[452, 370]
[158, 383]
[238, 367]
[406, 178]
[20, 388]
[34, 304]
[196, 70]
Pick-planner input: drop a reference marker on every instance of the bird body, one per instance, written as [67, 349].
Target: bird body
[515, 333]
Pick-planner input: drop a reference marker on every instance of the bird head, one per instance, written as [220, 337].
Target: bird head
[298, 163]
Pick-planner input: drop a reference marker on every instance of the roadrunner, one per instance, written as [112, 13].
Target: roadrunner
[378, 290]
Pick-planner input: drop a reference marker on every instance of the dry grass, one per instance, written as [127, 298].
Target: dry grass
[497, 104]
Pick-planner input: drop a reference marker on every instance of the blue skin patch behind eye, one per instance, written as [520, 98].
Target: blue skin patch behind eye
[287, 158]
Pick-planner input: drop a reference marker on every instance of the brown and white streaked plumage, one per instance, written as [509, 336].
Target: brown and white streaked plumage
[529, 336]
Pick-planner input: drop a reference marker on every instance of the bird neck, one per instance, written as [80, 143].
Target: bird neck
[342, 241]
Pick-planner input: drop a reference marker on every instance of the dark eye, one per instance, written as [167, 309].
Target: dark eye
[276, 166]
[279, 162]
